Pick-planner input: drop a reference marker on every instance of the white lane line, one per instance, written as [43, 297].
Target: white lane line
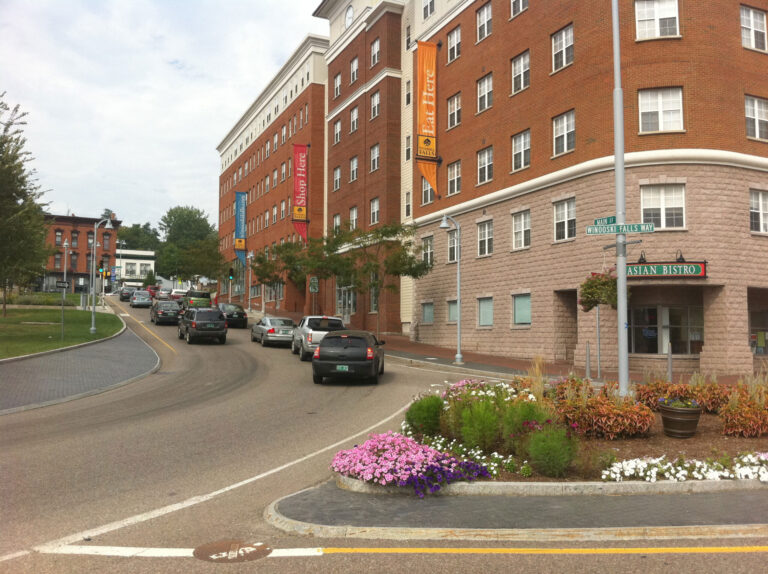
[129, 551]
[14, 555]
[295, 552]
[158, 512]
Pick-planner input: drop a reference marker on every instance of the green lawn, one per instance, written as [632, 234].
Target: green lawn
[26, 331]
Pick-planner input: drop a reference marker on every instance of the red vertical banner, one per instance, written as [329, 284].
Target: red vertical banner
[300, 189]
[426, 135]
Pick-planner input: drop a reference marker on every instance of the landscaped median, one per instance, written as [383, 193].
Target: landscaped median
[562, 438]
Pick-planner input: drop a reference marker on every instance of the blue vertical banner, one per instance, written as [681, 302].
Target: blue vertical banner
[241, 198]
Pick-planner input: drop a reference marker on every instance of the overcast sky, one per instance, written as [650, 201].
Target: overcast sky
[128, 99]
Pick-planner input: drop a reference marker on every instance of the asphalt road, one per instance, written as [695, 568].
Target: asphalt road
[195, 452]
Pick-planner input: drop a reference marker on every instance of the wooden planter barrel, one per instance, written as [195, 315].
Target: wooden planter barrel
[679, 422]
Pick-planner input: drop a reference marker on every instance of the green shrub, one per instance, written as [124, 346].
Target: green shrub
[516, 414]
[424, 415]
[480, 426]
[551, 450]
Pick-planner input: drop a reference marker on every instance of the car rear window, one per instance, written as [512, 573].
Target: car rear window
[209, 316]
[168, 306]
[141, 293]
[325, 324]
[229, 308]
[282, 322]
[199, 294]
[344, 342]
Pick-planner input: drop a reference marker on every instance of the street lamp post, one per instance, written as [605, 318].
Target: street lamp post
[64, 289]
[250, 262]
[459, 359]
[96, 226]
[121, 245]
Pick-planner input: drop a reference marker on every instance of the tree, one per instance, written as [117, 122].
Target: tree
[139, 236]
[23, 251]
[183, 226]
[203, 258]
[150, 279]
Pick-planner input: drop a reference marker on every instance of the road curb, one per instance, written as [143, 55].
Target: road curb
[437, 366]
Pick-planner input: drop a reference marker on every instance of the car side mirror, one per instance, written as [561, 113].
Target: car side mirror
[382, 342]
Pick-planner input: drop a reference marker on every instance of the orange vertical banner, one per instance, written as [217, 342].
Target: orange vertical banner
[426, 121]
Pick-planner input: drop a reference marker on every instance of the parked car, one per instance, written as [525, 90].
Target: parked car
[164, 312]
[203, 323]
[125, 293]
[310, 331]
[153, 289]
[236, 315]
[178, 294]
[163, 294]
[196, 299]
[270, 330]
[141, 299]
[348, 354]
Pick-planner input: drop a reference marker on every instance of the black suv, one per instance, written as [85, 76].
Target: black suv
[126, 292]
[203, 323]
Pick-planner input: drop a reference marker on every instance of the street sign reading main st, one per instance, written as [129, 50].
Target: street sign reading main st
[617, 228]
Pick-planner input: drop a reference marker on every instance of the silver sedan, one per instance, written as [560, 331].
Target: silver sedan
[272, 330]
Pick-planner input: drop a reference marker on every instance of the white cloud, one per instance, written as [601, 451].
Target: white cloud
[127, 101]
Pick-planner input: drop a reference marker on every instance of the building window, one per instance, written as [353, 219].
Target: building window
[427, 312]
[374, 210]
[521, 150]
[130, 269]
[336, 131]
[485, 165]
[427, 193]
[485, 238]
[144, 269]
[454, 44]
[518, 6]
[427, 8]
[407, 37]
[353, 119]
[408, 93]
[274, 214]
[454, 110]
[484, 22]
[521, 309]
[73, 261]
[454, 177]
[757, 118]
[336, 178]
[353, 217]
[407, 148]
[407, 203]
[57, 261]
[661, 110]
[663, 205]
[282, 138]
[346, 300]
[353, 169]
[453, 311]
[353, 71]
[374, 52]
[337, 85]
[562, 48]
[336, 222]
[266, 219]
[758, 211]
[274, 143]
[521, 229]
[75, 238]
[564, 128]
[485, 93]
[282, 209]
[654, 329]
[753, 28]
[274, 178]
[282, 171]
[453, 246]
[485, 312]
[59, 234]
[106, 239]
[375, 157]
[428, 250]
[375, 98]
[565, 219]
[655, 18]
[266, 183]
[521, 72]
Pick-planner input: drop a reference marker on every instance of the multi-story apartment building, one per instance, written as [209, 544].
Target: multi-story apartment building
[74, 235]
[257, 159]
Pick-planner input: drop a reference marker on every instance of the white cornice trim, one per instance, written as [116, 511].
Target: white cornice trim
[600, 165]
[368, 86]
[364, 22]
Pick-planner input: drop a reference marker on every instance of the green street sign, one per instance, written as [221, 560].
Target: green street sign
[616, 228]
[606, 220]
[670, 270]
[314, 285]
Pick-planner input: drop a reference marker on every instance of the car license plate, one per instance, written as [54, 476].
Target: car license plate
[344, 368]
[235, 315]
[211, 325]
[171, 313]
[286, 331]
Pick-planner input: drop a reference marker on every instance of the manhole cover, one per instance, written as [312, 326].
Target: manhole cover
[227, 551]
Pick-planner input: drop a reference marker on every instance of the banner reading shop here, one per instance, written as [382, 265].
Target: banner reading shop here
[300, 189]
[241, 200]
[426, 136]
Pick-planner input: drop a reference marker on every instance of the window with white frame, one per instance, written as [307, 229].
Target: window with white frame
[485, 312]
[758, 211]
[521, 229]
[454, 44]
[521, 309]
[374, 157]
[282, 209]
[353, 169]
[266, 183]
[565, 219]
[375, 100]
[661, 110]
[453, 246]
[408, 93]
[353, 217]
[274, 142]
[353, 70]
[427, 193]
[427, 8]
[757, 118]
[485, 165]
[521, 150]
[454, 177]
[663, 205]
[407, 148]
[655, 19]
[428, 250]
[454, 110]
[485, 238]
[518, 6]
[453, 310]
[485, 93]
[336, 131]
[374, 52]
[57, 261]
[564, 128]
[336, 221]
[753, 28]
[562, 48]
[274, 178]
[521, 72]
[374, 210]
[484, 22]
[266, 219]
[282, 171]
[407, 204]
[353, 113]
[274, 214]
[427, 312]
[336, 178]
[282, 138]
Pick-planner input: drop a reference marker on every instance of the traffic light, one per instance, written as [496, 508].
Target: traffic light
[101, 270]
[231, 273]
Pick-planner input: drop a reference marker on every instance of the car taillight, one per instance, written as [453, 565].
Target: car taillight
[194, 324]
[369, 353]
[160, 312]
[271, 331]
[226, 324]
[309, 338]
[316, 354]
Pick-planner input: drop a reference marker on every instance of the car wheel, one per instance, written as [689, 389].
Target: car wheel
[375, 379]
[294, 350]
[304, 356]
[381, 367]
[223, 339]
[263, 342]
[317, 379]
[181, 335]
[189, 339]
[253, 339]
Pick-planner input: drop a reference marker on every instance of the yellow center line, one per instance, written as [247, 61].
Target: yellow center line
[146, 329]
[583, 551]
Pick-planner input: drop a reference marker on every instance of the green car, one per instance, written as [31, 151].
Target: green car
[196, 299]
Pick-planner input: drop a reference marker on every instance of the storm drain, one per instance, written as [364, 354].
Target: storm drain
[228, 551]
